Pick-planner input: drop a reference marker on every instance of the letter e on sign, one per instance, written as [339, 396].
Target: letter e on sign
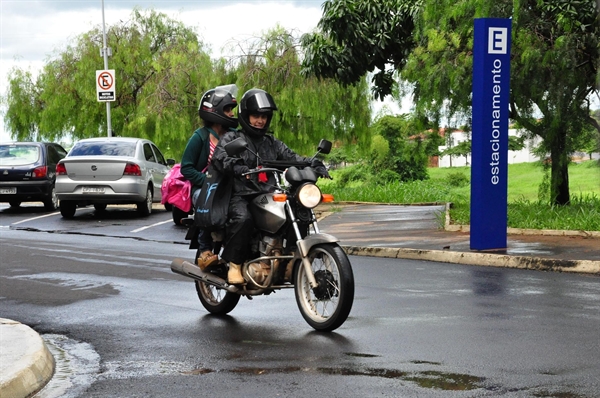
[497, 40]
[105, 85]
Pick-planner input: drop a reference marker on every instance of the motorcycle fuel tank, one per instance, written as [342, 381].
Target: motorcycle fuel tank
[268, 215]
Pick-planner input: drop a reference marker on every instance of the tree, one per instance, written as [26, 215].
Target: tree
[358, 36]
[408, 147]
[555, 55]
[589, 141]
[462, 149]
[161, 72]
[516, 143]
[309, 108]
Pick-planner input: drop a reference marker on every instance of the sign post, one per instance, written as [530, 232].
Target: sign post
[491, 89]
[106, 79]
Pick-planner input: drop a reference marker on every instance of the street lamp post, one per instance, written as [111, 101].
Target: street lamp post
[105, 51]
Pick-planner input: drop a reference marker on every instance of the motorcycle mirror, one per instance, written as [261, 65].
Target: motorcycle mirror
[324, 147]
[236, 146]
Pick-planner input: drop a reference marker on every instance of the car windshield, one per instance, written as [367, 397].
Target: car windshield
[104, 148]
[18, 155]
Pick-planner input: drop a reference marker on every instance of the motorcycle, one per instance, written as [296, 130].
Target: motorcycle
[288, 250]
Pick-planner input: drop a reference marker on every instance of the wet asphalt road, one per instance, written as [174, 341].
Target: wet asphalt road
[122, 324]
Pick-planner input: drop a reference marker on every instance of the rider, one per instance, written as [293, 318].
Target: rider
[216, 111]
[255, 114]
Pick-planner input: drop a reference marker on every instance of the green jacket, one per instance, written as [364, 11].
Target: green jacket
[195, 157]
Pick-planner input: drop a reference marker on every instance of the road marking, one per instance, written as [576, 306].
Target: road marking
[35, 218]
[150, 226]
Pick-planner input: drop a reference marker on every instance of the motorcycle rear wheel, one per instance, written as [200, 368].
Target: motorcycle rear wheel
[326, 307]
[216, 301]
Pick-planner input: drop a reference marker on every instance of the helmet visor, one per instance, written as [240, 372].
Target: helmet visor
[260, 102]
[228, 89]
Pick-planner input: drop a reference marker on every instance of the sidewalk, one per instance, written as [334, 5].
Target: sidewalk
[409, 232]
[413, 232]
[26, 365]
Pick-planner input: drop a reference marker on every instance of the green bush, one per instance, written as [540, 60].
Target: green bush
[457, 179]
[349, 174]
[385, 177]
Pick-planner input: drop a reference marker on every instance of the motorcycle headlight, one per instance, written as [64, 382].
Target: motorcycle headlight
[309, 195]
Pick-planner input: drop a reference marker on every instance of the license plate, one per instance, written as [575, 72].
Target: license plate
[8, 191]
[92, 189]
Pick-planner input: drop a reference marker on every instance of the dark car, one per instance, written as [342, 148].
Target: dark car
[28, 172]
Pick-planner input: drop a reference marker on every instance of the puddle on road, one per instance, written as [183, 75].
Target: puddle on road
[425, 379]
[77, 365]
[446, 381]
[360, 355]
[559, 394]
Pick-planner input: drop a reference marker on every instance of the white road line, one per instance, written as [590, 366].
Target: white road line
[35, 218]
[150, 226]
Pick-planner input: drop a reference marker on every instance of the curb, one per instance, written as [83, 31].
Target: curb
[31, 363]
[480, 259]
[520, 231]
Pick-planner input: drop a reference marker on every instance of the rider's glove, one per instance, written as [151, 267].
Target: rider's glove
[240, 169]
[320, 168]
[322, 171]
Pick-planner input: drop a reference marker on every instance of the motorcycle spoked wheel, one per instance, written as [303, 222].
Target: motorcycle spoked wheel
[216, 301]
[327, 307]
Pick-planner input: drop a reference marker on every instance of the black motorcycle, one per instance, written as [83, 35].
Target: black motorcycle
[289, 250]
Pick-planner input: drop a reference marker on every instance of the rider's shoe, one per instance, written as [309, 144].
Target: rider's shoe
[234, 276]
[207, 259]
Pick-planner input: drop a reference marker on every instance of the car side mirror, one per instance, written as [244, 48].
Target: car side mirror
[236, 146]
[324, 147]
[170, 162]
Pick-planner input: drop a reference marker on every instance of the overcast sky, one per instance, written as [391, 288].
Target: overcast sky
[32, 31]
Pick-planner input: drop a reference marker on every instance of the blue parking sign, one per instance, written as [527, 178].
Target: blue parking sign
[489, 165]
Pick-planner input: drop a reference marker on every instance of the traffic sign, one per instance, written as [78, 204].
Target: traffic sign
[105, 85]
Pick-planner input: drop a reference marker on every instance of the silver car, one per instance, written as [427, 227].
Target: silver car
[117, 170]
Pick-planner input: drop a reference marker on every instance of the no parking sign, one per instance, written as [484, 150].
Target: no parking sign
[105, 85]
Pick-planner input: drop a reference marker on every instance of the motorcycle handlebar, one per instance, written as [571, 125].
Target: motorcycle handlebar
[264, 169]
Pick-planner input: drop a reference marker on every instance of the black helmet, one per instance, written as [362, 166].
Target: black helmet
[256, 101]
[214, 101]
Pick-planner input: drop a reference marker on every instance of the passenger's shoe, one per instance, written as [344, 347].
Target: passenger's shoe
[234, 275]
[206, 259]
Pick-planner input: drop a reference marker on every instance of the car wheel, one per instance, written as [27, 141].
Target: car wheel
[145, 208]
[14, 203]
[100, 206]
[51, 203]
[67, 208]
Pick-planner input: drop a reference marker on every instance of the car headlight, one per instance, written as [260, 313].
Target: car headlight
[309, 195]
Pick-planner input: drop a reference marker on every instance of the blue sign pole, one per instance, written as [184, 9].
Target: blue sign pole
[489, 156]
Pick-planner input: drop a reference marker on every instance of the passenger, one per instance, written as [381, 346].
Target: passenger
[216, 112]
[255, 114]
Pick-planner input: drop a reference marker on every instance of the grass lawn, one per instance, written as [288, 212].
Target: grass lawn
[524, 179]
[452, 185]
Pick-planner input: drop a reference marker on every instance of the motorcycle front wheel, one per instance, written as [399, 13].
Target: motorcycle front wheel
[326, 307]
[216, 301]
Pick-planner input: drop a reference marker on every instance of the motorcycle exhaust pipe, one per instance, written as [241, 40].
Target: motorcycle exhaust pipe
[185, 268]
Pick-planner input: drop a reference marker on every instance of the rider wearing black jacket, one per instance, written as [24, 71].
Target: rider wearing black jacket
[255, 113]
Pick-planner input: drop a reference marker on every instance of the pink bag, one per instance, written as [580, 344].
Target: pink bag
[176, 190]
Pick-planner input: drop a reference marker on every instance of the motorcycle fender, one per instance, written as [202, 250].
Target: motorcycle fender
[307, 243]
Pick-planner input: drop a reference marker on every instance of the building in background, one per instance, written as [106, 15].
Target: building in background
[457, 136]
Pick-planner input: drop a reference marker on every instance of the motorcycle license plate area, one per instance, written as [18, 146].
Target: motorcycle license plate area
[8, 191]
[92, 190]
